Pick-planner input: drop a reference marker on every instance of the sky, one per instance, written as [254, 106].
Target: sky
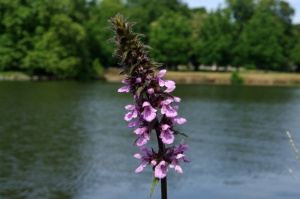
[213, 4]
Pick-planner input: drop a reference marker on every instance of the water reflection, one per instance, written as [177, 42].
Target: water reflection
[68, 140]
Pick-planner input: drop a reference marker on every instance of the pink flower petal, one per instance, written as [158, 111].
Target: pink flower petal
[168, 111]
[161, 73]
[180, 155]
[124, 89]
[176, 99]
[138, 80]
[128, 116]
[150, 91]
[165, 127]
[139, 169]
[153, 162]
[180, 120]
[167, 136]
[178, 169]
[175, 108]
[137, 155]
[125, 81]
[161, 170]
[130, 107]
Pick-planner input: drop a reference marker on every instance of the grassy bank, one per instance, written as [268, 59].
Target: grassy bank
[257, 78]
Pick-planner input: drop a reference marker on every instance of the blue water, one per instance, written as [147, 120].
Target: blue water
[68, 140]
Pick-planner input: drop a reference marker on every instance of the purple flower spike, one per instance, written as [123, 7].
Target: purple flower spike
[166, 134]
[161, 170]
[149, 112]
[166, 109]
[144, 136]
[150, 93]
[167, 83]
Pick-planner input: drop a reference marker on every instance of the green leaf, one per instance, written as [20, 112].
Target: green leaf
[135, 141]
[154, 183]
[133, 67]
[139, 90]
[156, 64]
[124, 55]
[183, 134]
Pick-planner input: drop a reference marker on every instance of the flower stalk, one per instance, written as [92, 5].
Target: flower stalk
[152, 109]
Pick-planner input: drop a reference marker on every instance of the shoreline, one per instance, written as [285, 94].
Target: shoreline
[251, 78]
[223, 78]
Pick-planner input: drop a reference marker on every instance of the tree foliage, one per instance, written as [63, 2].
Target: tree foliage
[170, 36]
[64, 37]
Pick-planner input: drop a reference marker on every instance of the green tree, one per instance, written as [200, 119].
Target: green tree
[45, 37]
[241, 12]
[57, 51]
[282, 12]
[99, 13]
[170, 38]
[217, 38]
[144, 12]
[262, 35]
[16, 33]
[295, 52]
[198, 15]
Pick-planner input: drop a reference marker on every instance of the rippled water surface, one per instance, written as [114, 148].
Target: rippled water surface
[68, 140]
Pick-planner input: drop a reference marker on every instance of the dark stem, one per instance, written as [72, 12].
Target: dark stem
[161, 146]
[164, 191]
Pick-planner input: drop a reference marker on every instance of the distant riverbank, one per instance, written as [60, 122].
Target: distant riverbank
[257, 78]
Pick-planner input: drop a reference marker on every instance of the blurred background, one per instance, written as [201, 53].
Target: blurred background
[68, 139]
[67, 38]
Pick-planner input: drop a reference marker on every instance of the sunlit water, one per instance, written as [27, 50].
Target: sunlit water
[68, 140]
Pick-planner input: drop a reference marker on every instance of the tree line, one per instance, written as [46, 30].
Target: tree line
[67, 38]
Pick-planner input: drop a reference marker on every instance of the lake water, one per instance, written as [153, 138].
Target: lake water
[68, 140]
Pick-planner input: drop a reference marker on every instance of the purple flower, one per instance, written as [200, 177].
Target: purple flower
[166, 134]
[144, 136]
[149, 112]
[161, 170]
[135, 123]
[178, 120]
[175, 164]
[138, 80]
[125, 88]
[148, 158]
[175, 154]
[134, 112]
[167, 83]
[167, 109]
[176, 99]
[150, 91]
